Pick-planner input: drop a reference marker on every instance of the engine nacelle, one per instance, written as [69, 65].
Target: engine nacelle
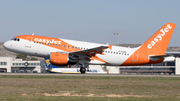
[61, 59]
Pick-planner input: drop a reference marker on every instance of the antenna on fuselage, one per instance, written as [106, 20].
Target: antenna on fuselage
[32, 33]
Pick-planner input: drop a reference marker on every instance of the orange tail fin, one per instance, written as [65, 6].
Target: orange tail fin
[158, 43]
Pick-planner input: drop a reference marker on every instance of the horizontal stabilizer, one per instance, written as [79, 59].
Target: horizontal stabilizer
[165, 57]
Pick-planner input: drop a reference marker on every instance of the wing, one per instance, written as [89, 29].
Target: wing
[92, 51]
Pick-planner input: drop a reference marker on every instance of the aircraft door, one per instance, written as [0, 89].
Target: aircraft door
[70, 48]
[135, 56]
[28, 42]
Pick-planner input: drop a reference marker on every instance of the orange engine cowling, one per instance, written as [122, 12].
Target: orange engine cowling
[60, 59]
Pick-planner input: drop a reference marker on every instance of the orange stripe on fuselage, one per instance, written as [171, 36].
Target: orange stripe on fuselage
[138, 58]
[51, 42]
[97, 58]
[54, 43]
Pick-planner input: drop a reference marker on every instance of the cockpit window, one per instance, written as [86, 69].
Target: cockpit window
[15, 39]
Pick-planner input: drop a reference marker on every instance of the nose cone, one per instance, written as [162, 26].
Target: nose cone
[7, 45]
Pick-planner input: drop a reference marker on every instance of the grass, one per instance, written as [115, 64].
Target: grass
[79, 88]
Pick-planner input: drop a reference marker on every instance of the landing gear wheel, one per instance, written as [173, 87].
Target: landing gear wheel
[82, 70]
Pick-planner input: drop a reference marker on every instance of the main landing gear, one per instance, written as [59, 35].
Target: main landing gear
[82, 66]
[83, 70]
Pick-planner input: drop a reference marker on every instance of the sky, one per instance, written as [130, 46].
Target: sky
[89, 20]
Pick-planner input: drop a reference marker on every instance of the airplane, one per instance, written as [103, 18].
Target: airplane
[65, 52]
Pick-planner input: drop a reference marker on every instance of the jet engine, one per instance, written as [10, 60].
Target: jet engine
[61, 59]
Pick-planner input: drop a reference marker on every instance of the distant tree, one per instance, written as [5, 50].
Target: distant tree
[34, 59]
[21, 56]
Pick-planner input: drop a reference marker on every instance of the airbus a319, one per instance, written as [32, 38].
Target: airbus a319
[65, 52]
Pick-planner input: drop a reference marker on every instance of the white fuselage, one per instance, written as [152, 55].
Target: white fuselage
[115, 56]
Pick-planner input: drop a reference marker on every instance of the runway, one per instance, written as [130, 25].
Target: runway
[113, 75]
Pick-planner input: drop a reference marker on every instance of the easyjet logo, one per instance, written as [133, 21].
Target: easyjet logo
[159, 37]
[47, 41]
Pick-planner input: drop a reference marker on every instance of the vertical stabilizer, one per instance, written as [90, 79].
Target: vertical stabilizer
[158, 43]
[47, 63]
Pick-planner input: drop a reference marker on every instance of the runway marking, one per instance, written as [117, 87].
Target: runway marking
[94, 95]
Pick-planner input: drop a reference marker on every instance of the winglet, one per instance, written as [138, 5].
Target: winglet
[110, 46]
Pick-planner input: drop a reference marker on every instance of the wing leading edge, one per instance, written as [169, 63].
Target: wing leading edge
[92, 51]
